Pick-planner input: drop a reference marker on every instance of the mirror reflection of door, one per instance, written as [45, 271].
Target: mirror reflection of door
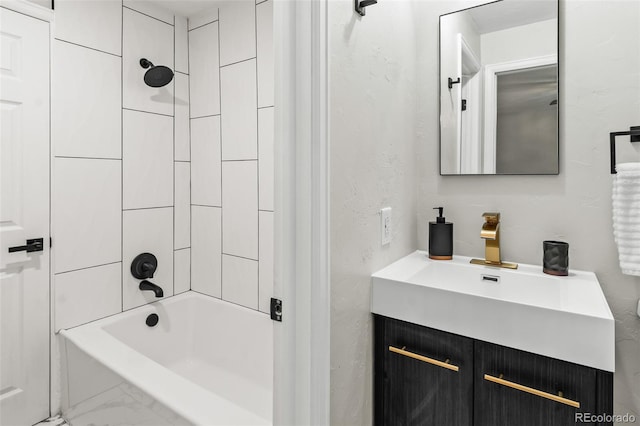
[526, 130]
[469, 109]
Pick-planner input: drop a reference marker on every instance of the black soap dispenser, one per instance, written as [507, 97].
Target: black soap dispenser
[440, 238]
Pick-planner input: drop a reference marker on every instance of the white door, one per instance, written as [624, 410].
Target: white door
[24, 214]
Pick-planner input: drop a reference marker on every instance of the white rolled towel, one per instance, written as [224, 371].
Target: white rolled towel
[626, 216]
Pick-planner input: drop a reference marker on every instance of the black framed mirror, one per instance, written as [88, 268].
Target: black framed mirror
[499, 89]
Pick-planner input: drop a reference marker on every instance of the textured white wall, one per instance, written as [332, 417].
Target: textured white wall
[373, 144]
[384, 146]
[599, 93]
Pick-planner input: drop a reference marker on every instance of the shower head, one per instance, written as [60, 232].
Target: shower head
[156, 75]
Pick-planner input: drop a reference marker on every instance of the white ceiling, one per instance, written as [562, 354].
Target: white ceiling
[512, 13]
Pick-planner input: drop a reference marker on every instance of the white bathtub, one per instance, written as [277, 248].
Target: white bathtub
[206, 362]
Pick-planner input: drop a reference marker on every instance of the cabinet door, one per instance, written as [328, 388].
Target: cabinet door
[413, 390]
[513, 387]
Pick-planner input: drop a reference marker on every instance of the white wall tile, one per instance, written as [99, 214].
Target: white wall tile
[240, 281]
[182, 210]
[145, 37]
[205, 165]
[203, 18]
[86, 213]
[266, 79]
[150, 8]
[206, 268]
[147, 231]
[237, 31]
[87, 295]
[96, 24]
[266, 261]
[182, 44]
[239, 116]
[81, 126]
[147, 160]
[182, 271]
[204, 80]
[182, 148]
[265, 157]
[240, 208]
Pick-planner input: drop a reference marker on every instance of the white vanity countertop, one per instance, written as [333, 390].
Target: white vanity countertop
[561, 317]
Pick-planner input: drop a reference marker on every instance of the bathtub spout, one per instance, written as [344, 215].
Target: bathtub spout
[146, 285]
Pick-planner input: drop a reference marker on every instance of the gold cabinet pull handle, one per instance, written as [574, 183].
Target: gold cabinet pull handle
[557, 398]
[424, 358]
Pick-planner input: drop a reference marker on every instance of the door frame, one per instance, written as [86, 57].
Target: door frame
[491, 72]
[302, 340]
[468, 144]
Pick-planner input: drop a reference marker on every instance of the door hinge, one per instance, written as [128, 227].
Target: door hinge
[50, 242]
[464, 104]
[276, 309]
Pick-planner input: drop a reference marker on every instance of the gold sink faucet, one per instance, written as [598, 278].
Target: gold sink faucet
[491, 234]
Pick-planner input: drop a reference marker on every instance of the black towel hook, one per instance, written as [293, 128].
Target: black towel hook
[634, 132]
[452, 82]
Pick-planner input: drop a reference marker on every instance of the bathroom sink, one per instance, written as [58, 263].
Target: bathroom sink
[562, 317]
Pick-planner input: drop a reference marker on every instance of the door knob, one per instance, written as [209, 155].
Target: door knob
[36, 244]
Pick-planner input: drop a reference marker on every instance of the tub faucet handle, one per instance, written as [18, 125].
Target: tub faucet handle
[144, 266]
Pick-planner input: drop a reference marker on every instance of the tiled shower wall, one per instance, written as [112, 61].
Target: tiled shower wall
[232, 132]
[121, 165]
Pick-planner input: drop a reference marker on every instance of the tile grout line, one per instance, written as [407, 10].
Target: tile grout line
[221, 153]
[173, 164]
[147, 208]
[147, 15]
[88, 47]
[205, 116]
[68, 157]
[237, 62]
[122, 155]
[206, 205]
[189, 146]
[240, 257]
[147, 112]
[255, 33]
[87, 267]
[203, 25]
[51, 277]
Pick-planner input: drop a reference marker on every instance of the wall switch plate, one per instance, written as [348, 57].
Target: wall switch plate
[385, 226]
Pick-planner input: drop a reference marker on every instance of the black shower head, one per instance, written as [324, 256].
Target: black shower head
[156, 76]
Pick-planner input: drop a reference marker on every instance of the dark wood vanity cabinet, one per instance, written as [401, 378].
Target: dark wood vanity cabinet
[493, 385]
[410, 389]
